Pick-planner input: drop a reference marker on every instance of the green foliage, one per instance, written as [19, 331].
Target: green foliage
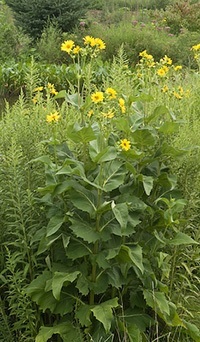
[34, 16]
[16, 44]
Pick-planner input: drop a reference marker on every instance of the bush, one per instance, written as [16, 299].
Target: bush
[33, 16]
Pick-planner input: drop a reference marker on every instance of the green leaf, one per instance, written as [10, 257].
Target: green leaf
[132, 255]
[144, 137]
[103, 312]
[122, 124]
[61, 94]
[83, 200]
[83, 135]
[157, 301]
[84, 230]
[54, 224]
[182, 239]
[113, 175]
[59, 279]
[74, 99]
[169, 127]
[158, 111]
[120, 212]
[193, 331]
[147, 183]
[107, 154]
[66, 330]
[77, 249]
[134, 333]
[83, 313]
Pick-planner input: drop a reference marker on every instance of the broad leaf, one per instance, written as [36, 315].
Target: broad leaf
[132, 255]
[120, 212]
[83, 313]
[59, 279]
[84, 230]
[157, 301]
[66, 330]
[182, 239]
[54, 224]
[83, 200]
[83, 135]
[103, 312]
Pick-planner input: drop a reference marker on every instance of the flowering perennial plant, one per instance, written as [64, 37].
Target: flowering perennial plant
[113, 214]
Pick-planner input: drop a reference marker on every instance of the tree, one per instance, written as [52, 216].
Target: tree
[34, 15]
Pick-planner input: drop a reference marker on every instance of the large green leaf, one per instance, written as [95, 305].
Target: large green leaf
[66, 330]
[54, 224]
[59, 279]
[84, 230]
[132, 255]
[144, 137]
[120, 212]
[103, 312]
[193, 331]
[83, 313]
[147, 183]
[157, 301]
[181, 239]
[83, 135]
[77, 249]
[112, 176]
[83, 200]
[134, 333]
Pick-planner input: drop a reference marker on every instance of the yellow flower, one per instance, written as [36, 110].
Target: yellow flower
[125, 144]
[52, 89]
[196, 47]
[122, 105]
[121, 102]
[53, 117]
[97, 97]
[76, 50]
[161, 72]
[165, 89]
[34, 100]
[38, 89]
[177, 95]
[166, 60]
[90, 113]
[100, 44]
[177, 67]
[112, 93]
[109, 115]
[89, 40]
[67, 46]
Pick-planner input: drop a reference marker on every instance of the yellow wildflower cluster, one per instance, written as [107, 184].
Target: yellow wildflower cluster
[92, 47]
[147, 59]
[53, 117]
[166, 60]
[51, 89]
[106, 99]
[94, 42]
[196, 51]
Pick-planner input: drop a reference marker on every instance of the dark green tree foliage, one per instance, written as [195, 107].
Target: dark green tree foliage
[34, 15]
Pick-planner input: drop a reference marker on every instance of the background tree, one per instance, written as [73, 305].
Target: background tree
[34, 15]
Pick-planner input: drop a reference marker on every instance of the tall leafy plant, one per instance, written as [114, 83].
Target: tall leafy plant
[114, 218]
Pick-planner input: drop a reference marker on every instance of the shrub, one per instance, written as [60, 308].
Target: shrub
[33, 16]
